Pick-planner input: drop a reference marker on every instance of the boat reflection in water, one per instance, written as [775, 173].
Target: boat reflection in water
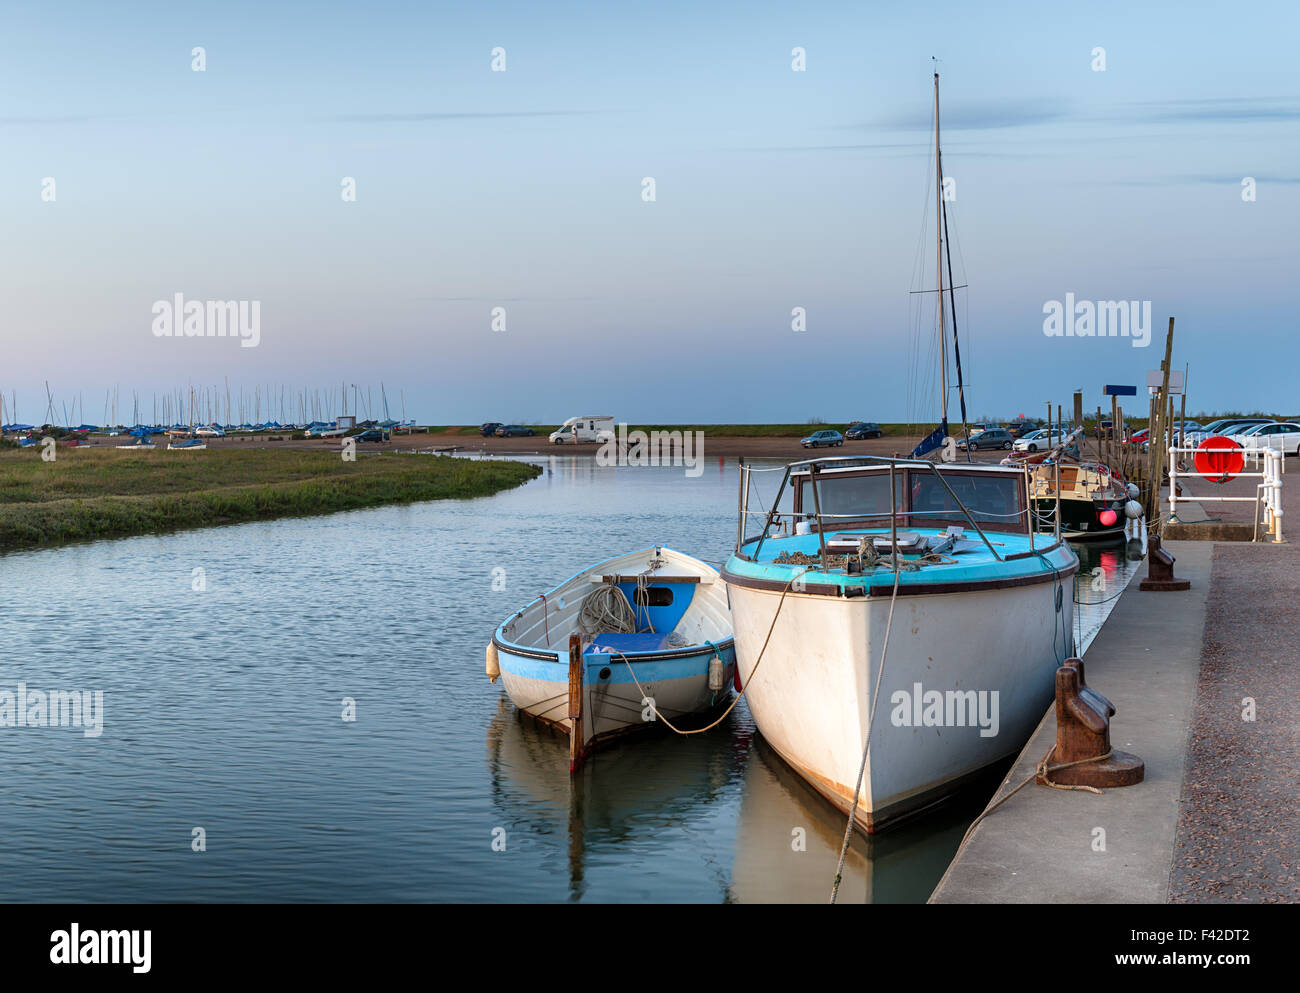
[778, 809]
[621, 815]
[738, 807]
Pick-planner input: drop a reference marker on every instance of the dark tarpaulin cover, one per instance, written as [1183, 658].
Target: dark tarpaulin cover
[932, 441]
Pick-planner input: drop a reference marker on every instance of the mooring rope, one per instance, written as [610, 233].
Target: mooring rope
[871, 720]
[1043, 770]
[743, 689]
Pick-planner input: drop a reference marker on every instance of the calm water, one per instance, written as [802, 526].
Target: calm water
[223, 711]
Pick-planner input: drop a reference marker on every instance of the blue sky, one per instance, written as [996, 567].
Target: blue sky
[522, 189]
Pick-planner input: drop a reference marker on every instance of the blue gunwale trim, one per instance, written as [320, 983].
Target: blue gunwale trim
[652, 667]
[677, 653]
[972, 571]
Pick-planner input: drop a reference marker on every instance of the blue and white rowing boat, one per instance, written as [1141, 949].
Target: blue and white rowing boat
[625, 644]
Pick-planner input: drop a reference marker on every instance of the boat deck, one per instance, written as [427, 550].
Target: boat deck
[781, 559]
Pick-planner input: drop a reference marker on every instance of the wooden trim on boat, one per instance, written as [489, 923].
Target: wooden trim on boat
[650, 579]
[1034, 551]
[528, 653]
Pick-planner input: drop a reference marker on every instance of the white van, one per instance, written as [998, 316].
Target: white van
[592, 427]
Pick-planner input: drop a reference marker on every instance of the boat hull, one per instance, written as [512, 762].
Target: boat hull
[811, 695]
[676, 682]
[1079, 518]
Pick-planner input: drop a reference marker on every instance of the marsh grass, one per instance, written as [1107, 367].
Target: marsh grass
[92, 493]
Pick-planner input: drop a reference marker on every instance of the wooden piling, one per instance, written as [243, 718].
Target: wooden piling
[575, 702]
[1157, 460]
[1182, 412]
[1114, 429]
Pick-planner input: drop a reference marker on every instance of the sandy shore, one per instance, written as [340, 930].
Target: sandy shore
[715, 446]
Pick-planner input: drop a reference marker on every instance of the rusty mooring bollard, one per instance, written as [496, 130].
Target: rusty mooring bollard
[1083, 733]
[1160, 569]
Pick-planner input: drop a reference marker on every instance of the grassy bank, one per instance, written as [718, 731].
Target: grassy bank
[110, 493]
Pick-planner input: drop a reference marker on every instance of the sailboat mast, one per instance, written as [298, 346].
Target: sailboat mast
[938, 266]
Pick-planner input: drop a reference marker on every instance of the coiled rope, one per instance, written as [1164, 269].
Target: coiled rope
[606, 608]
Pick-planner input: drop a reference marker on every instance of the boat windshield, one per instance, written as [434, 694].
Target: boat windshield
[989, 499]
[852, 496]
[921, 498]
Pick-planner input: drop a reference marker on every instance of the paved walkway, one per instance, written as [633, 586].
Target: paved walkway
[1043, 845]
[1239, 830]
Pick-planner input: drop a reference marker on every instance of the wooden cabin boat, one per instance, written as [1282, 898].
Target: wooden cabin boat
[1090, 497]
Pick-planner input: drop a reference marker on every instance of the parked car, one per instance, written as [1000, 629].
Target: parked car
[859, 430]
[514, 431]
[1224, 427]
[819, 439]
[1139, 437]
[1284, 435]
[1022, 426]
[371, 434]
[1105, 429]
[1037, 440]
[489, 429]
[207, 431]
[991, 438]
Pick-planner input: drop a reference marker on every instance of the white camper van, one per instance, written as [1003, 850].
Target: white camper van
[592, 427]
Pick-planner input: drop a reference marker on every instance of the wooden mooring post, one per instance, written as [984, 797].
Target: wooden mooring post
[575, 702]
[1156, 433]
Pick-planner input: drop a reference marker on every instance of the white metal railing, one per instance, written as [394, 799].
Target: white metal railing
[776, 517]
[1268, 491]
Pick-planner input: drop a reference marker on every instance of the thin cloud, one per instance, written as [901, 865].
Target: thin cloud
[982, 117]
[905, 150]
[1236, 180]
[459, 116]
[1260, 179]
[40, 121]
[1229, 109]
[505, 299]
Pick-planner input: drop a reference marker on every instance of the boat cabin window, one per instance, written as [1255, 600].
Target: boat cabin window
[863, 499]
[989, 499]
[854, 496]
